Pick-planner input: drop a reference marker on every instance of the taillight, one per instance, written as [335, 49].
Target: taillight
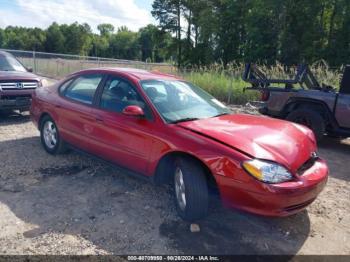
[265, 95]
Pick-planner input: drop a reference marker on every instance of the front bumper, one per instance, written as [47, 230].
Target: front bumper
[22, 103]
[15, 99]
[282, 199]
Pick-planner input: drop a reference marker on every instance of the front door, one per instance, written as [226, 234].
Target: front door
[125, 140]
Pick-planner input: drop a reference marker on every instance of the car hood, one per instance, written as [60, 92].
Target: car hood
[17, 76]
[259, 137]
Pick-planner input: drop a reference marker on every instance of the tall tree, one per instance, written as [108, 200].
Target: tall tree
[105, 29]
[124, 44]
[78, 38]
[148, 41]
[55, 40]
[259, 33]
[168, 13]
[155, 44]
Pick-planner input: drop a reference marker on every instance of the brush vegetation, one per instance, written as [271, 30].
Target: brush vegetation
[226, 84]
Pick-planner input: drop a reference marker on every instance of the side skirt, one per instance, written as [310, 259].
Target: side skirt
[123, 170]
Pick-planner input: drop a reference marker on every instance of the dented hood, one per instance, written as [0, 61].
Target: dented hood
[260, 137]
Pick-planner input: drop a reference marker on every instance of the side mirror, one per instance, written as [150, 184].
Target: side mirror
[29, 69]
[133, 111]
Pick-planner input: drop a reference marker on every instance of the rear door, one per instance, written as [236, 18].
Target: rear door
[75, 109]
[124, 140]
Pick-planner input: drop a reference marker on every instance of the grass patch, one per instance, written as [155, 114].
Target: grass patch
[227, 85]
[221, 86]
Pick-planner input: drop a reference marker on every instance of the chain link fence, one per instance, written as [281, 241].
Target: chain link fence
[225, 83]
[58, 65]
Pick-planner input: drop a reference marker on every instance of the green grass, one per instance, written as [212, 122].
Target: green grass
[221, 86]
[228, 86]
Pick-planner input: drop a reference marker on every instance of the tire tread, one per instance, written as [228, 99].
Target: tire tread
[196, 190]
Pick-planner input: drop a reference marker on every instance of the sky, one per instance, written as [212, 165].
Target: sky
[41, 13]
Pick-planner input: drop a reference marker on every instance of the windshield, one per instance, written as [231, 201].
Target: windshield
[8, 63]
[178, 100]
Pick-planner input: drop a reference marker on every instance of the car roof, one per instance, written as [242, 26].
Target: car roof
[139, 74]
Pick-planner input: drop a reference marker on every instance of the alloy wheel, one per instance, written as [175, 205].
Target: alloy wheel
[50, 134]
[180, 189]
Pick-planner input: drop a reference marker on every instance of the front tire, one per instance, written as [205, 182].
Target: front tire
[311, 119]
[50, 137]
[191, 190]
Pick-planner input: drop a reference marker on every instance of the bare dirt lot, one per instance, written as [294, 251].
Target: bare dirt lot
[73, 204]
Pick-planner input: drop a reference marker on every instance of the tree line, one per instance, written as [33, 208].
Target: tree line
[149, 43]
[202, 32]
[289, 31]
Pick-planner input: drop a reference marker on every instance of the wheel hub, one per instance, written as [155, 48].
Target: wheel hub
[180, 189]
[50, 134]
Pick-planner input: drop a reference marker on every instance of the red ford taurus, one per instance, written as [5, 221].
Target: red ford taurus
[171, 131]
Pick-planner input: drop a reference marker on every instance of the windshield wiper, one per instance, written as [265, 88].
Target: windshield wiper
[184, 120]
[222, 114]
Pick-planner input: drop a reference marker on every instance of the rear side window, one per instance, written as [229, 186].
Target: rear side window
[83, 88]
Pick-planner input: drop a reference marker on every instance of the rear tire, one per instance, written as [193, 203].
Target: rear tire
[191, 189]
[311, 119]
[50, 137]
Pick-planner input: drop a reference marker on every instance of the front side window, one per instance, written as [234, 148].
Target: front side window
[83, 88]
[178, 100]
[118, 94]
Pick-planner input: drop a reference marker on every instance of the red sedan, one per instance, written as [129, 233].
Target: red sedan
[171, 131]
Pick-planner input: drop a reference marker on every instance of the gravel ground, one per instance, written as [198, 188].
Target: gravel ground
[73, 204]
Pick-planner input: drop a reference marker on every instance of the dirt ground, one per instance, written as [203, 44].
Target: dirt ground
[72, 204]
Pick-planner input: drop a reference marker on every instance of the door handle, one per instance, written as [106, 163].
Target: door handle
[58, 106]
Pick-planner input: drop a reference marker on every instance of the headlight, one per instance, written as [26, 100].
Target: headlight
[43, 82]
[267, 171]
